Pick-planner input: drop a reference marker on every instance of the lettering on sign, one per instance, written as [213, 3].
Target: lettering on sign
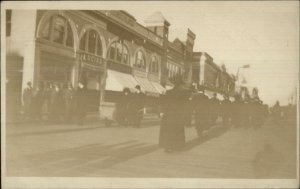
[91, 59]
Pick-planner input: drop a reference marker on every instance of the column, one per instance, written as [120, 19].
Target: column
[31, 67]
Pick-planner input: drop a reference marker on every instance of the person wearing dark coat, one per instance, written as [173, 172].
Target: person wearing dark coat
[174, 102]
[214, 108]
[27, 100]
[202, 113]
[226, 111]
[47, 98]
[122, 107]
[56, 104]
[236, 111]
[68, 97]
[37, 103]
[190, 106]
[81, 103]
[276, 113]
[246, 112]
[136, 107]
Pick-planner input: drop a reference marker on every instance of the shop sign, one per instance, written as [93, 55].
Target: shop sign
[91, 61]
[89, 58]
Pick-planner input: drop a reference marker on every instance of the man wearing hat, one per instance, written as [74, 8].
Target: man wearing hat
[201, 111]
[226, 110]
[81, 102]
[236, 111]
[27, 100]
[214, 108]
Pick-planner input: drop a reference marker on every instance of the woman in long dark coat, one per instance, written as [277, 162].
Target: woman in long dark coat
[174, 103]
[122, 108]
[202, 113]
[81, 107]
[56, 104]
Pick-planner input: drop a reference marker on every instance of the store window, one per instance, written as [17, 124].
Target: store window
[58, 30]
[119, 53]
[56, 72]
[140, 61]
[91, 42]
[154, 65]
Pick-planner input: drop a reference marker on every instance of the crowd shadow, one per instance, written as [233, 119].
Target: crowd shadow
[268, 163]
[214, 132]
[80, 160]
[57, 131]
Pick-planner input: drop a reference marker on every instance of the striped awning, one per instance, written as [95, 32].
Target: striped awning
[147, 87]
[117, 81]
[159, 87]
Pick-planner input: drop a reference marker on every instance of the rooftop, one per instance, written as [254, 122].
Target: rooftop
[157, 17]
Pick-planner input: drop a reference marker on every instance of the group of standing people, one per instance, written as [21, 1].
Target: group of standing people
[181, 105]
[56, 103]
[130, 107]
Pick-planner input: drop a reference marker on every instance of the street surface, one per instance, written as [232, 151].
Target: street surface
[94, 150]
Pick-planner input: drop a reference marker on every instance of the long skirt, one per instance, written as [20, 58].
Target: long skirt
[172, 134]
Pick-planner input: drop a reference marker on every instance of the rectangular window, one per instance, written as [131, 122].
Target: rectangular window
[125, 58]
[92, 41]
[99, 46]
[83, 42]
[119, 52]
[8, 23]
[58, 30]
[112, 52]
[69, 40]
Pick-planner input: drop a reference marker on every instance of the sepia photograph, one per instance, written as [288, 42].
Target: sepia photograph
[141, 94]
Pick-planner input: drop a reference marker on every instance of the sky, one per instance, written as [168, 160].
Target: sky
[263, 34]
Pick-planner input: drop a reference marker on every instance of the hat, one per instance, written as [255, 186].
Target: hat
[138, 87]
[126, 90]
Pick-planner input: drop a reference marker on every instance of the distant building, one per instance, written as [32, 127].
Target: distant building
[212, 77]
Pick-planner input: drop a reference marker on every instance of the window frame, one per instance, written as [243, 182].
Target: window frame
[124, 53]
[154, 65]
[98, 41]
[140, 60]
[51, 29]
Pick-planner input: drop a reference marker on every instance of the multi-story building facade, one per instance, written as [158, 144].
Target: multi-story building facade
[108, 50]
[214, 78]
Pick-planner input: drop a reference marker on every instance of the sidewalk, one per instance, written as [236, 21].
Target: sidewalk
[93, 151]
[92, 120]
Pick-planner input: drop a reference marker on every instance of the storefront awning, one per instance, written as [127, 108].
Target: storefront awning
[208, 93]
[147, 87]
[220, 96]
[158, 87]
[169, 87]
[117, 81]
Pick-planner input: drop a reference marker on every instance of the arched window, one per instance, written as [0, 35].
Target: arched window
[91, 42]
[140, 61]
[153, 68]
[58, 30]
[118, 53]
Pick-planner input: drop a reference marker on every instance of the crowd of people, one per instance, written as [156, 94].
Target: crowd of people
[182, 106]
[179, 107]
[129, 109]
[57, 104]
